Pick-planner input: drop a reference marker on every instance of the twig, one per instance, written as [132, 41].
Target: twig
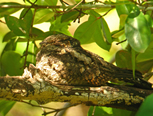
[107, 12]
[40, 106]
[30, 33]
[76, 5]
[121, 42]
[2, 21]
[58, 110]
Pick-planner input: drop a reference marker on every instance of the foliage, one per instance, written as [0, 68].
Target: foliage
[107, 111]
[135, 27]
[146, 107]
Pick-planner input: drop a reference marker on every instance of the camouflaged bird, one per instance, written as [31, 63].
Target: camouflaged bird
[63, 61]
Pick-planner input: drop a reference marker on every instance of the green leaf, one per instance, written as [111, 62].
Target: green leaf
[118, 33]
[8, 11]
[26, 15]
[120, 112]
[12, 63]
[16, 25]
[147, 55]
[99, 39]
[137, 31]
[123, 18]
[123, 59]
[133, 62]
[105, 30]
[102, 34]
[102, 10]
[35, 35]
[85, 32]
[11, 45]
[108, 111]
[146, 107]
[149, 20]
[94, 29]
[145, 66]
[69, 16]
[123, 11]
[100, 111]
[58, 26]
[8, 36]
[46, 2]
[43, 15]
[5, 106]
[124, 8]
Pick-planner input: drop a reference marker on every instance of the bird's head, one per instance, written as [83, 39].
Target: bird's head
[60, 41]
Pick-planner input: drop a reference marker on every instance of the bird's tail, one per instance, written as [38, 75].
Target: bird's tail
[138, 81]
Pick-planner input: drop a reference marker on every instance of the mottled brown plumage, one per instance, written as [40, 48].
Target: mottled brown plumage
[62, 60]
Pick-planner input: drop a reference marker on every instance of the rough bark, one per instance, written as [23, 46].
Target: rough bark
[21, 88]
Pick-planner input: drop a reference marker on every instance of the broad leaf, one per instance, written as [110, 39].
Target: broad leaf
[123, 18]
[147, 55]
[46, 2]
[123, 59]
[16, 25]
[137, 31]
[11, 45]
[69, 16]
[12, 63]
[102, 34]
[105, 30]
[58, 26]
[108, 111]
[5, 106]
[84, 32]
[8, 36]
[118, 33]
[8, 11]
[123, 11]
[27, 15]
[94, 29]
[124, 8]
[35, 35]
[99, 39]
[144, 67]
[149, 20]
[43, 15]
[146, 107]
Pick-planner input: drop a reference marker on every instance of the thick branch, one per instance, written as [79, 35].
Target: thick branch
[24, 88]
[85, 6]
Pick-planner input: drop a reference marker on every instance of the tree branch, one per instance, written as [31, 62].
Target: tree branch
[27, 88]
[82, 6]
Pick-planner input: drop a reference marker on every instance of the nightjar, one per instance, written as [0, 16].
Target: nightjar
[63, 61]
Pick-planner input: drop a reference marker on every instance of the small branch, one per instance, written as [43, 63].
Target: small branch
[2, 22]
[58, 110]
[76, 5]
[30, 33]
[121, 42]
